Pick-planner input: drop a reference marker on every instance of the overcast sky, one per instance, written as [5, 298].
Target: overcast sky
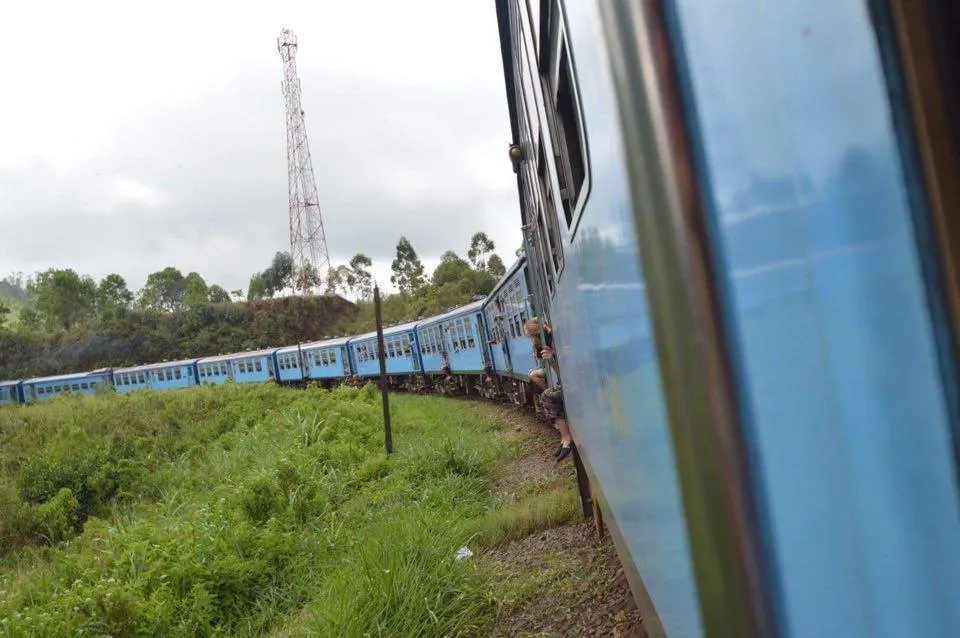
[132, 139]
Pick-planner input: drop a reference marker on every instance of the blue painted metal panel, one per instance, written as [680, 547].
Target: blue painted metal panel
[255, 366]
[156, 376]
[326, 359]
[86, 383]
[845, 403]
[290, 365]
[400, 343]
[602, 336]
[508, 308]
[8, 392]
[459, 335]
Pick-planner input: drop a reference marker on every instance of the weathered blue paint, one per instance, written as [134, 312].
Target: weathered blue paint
[9, 392]
[255, 366]
[837, 359]
[43, 388]
[155, 376]
[402, 355]
[505, 311]
[458, 335]
[327, 359]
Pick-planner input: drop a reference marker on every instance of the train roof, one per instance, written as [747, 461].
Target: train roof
[155, 366]
[511, 271]
[314, 345]
[70, 377]
[404, 327]
[473, 306]
[4, 384]
[263, 352]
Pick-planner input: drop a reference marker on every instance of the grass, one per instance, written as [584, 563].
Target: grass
[255, 509]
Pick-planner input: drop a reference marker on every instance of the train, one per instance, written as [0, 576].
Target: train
[739, 219]
[475, 349]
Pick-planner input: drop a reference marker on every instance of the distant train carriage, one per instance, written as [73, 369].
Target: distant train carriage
[458, 335]
[255, 366]
[327, 359]
[213, 370]
[401, 351]
[43, 388]
[289, 364]
[9, 392]
[506, 310]
[156, 376]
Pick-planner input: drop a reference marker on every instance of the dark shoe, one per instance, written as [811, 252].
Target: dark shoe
[564, 453]
[559, 451]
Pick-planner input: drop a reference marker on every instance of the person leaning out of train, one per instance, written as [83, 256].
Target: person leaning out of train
[551, 399]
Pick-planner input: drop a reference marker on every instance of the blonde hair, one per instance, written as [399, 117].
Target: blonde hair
[532, 327]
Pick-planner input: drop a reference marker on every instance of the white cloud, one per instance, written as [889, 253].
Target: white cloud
[169, 120]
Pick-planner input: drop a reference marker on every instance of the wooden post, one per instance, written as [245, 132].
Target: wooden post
[388, 436]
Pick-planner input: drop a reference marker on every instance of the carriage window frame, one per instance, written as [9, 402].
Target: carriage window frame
[561, 88]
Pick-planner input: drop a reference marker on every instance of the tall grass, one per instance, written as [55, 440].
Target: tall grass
[245, 510]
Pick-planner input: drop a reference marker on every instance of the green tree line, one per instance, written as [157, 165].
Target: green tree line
[65, 321]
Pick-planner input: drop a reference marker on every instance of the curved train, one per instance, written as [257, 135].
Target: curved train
[740, 219]
[483, 344]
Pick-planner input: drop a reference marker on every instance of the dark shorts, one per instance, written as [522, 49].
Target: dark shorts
[551, 401]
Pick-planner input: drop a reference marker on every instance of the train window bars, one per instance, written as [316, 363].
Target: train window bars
[564, 118]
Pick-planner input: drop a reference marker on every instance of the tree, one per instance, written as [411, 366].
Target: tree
[340, 279]
[308, 279]
[480, 247]
[216, 294]
[63, 297]
[237, 294]
[362, 279]
[195, 291]
[452, 269]
[495, 266]
[407, 269]
[164, 290]
[113, 293]
[279, 276]
[4, 311]
[258, 288]
[29, 318]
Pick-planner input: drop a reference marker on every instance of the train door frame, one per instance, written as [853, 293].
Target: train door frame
[920, 46]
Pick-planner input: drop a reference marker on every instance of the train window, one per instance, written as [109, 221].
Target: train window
[258, 365]
[333, 357]
[471, 343]
[142, 377]
[177, 374]
[565, 119]
[552, 237]
[407, 349]
[74, 386]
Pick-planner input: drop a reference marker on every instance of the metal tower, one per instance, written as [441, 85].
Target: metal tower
[308, 241]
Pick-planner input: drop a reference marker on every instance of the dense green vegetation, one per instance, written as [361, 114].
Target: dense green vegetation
[59, 321]
[251, 509]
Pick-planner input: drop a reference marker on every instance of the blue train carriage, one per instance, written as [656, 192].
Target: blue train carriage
[505, 311]
[289, 362]
[86, 383]
[10, 392]
[402, 355]
[756, 353]
[458, 335]
[155, 376]
[327, 361]
[255, 366]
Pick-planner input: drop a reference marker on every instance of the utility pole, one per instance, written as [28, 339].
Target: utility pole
[384, 393]
[308, 240]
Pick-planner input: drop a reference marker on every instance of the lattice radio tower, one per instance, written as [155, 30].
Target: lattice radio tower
[308, 241]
